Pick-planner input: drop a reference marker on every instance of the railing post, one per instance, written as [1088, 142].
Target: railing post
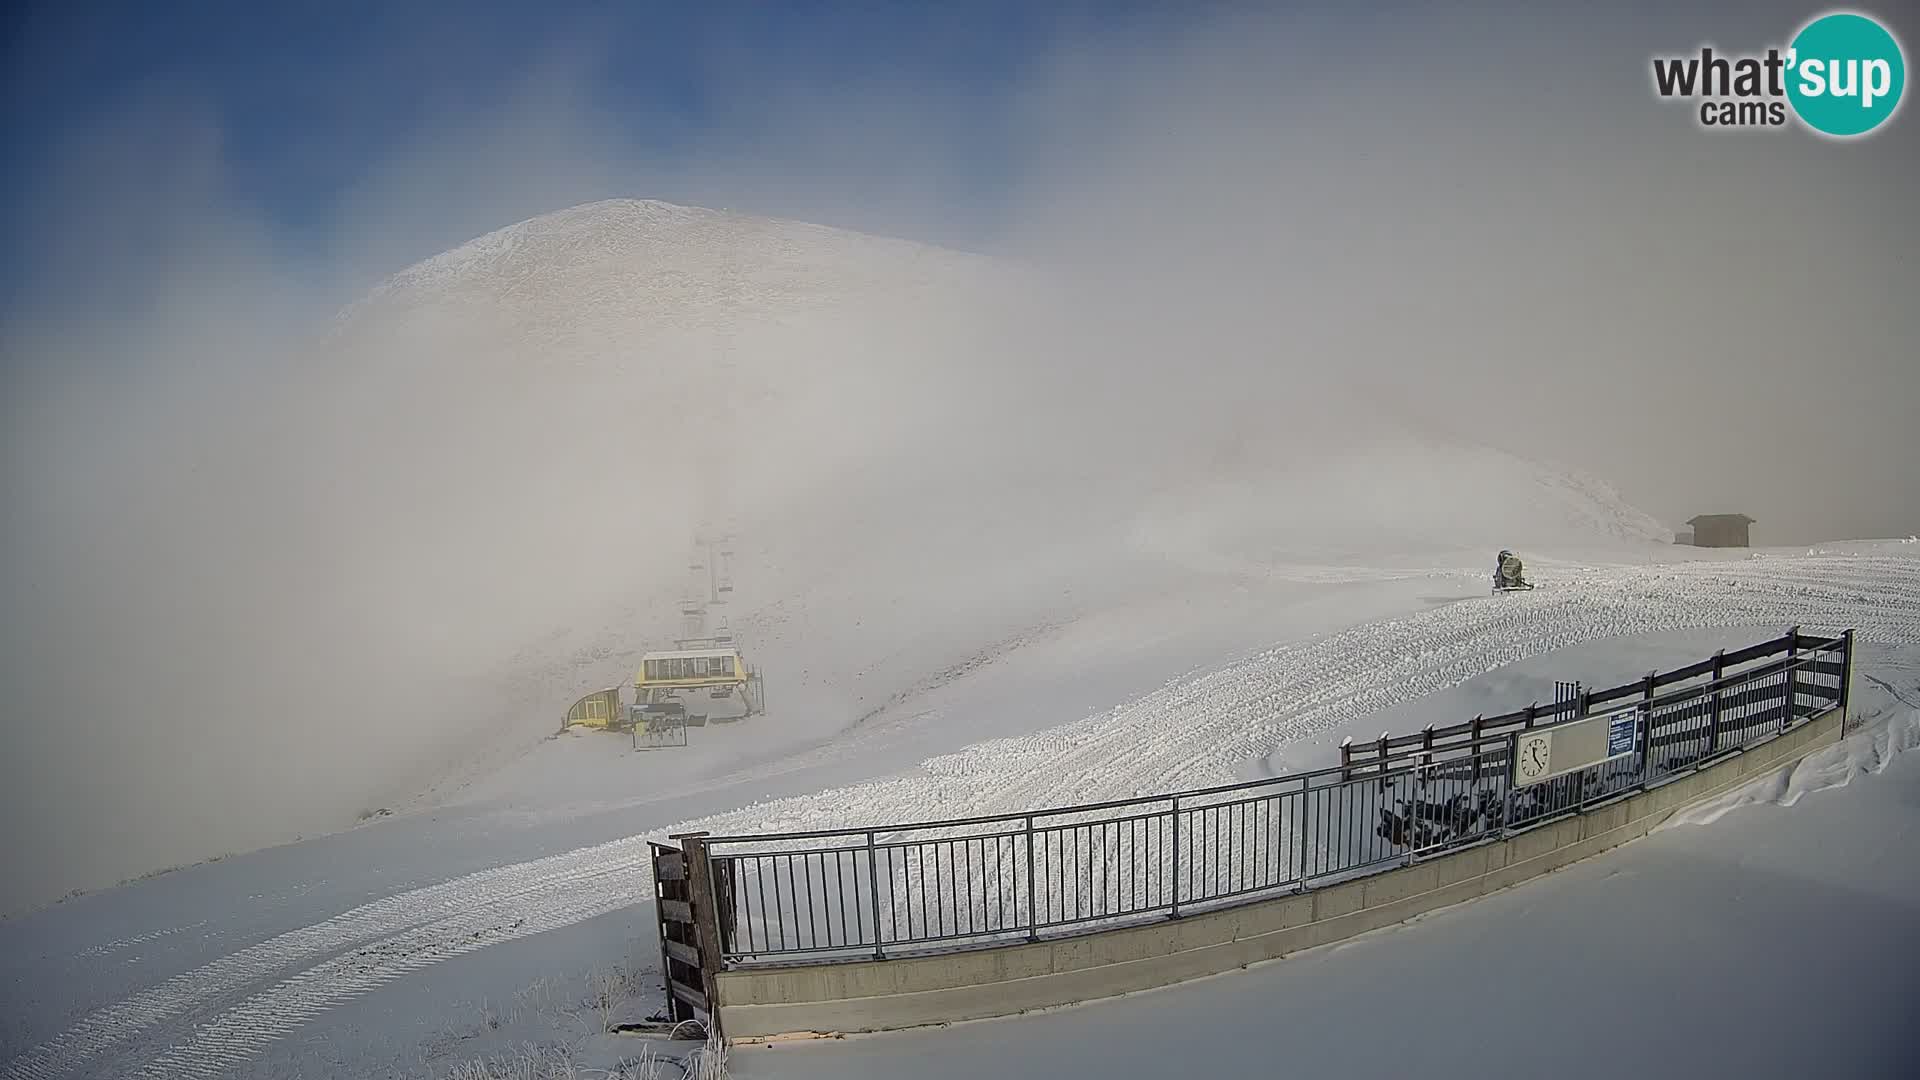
[1346, 759]
[873, 881]
[1646, 738]
[1582, 705]
[1793, 676]
[1506, 799]
[1846, 677]
[1713, 718]
[1033, 888]
[1176, 857]
[1478, 765]
[1382, 745]
[1303, 828]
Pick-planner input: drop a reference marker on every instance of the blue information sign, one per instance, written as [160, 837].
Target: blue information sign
[1620, 730]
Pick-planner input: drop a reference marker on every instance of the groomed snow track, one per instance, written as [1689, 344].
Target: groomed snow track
[1197, 731]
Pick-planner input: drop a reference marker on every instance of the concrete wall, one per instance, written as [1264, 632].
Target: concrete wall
[880, 995]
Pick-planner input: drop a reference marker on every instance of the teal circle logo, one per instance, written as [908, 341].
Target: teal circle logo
[1845, 74]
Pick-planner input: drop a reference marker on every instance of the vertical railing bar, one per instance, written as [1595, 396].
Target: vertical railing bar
[1129, 883]
[1090, 905]
[999, 883]
[1223, 851]
[984, 920]
[1083, 871]
[1060, 870]
[895, 909]
[1203, 841]
[932, 921]
[1262, 848]
[963, 886]
[781, 903]
[1096, 868]
[1033, 925]
[937, 922]
[1270, 838]
[918, 883]
[774, 915]
[1257, 829]
[966, 885]
[840, 887]
[1108, 854]
[1103, 896]
[1248, 848]
[760, 875]
[1044, 881]
[806, 870]
[1176, 904]
[903, 924]
[873, 882]
[1304, 829]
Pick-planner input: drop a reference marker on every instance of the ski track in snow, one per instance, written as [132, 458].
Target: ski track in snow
[1191, 732]
[106, 947]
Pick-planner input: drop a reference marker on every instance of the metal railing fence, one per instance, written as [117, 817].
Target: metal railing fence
[898, 889]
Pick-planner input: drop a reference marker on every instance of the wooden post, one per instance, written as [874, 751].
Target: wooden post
[661, 862]
[1346, 759]
[1383, 755]
[706, 922]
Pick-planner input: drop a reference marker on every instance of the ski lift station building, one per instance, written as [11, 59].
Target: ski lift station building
[1721, 530]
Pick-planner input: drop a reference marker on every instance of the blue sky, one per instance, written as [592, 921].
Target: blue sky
[1500, 172]
[309, 105]
[307, 97]
[351, 138]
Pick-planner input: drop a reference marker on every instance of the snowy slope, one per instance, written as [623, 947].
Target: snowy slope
[971, 538]
[388, 575]
[336, 978]
[926, 452]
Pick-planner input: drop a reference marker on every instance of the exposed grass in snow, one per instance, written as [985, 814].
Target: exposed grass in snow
[568, 1062]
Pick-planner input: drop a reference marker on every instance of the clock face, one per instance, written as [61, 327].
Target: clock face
[1533, 757]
